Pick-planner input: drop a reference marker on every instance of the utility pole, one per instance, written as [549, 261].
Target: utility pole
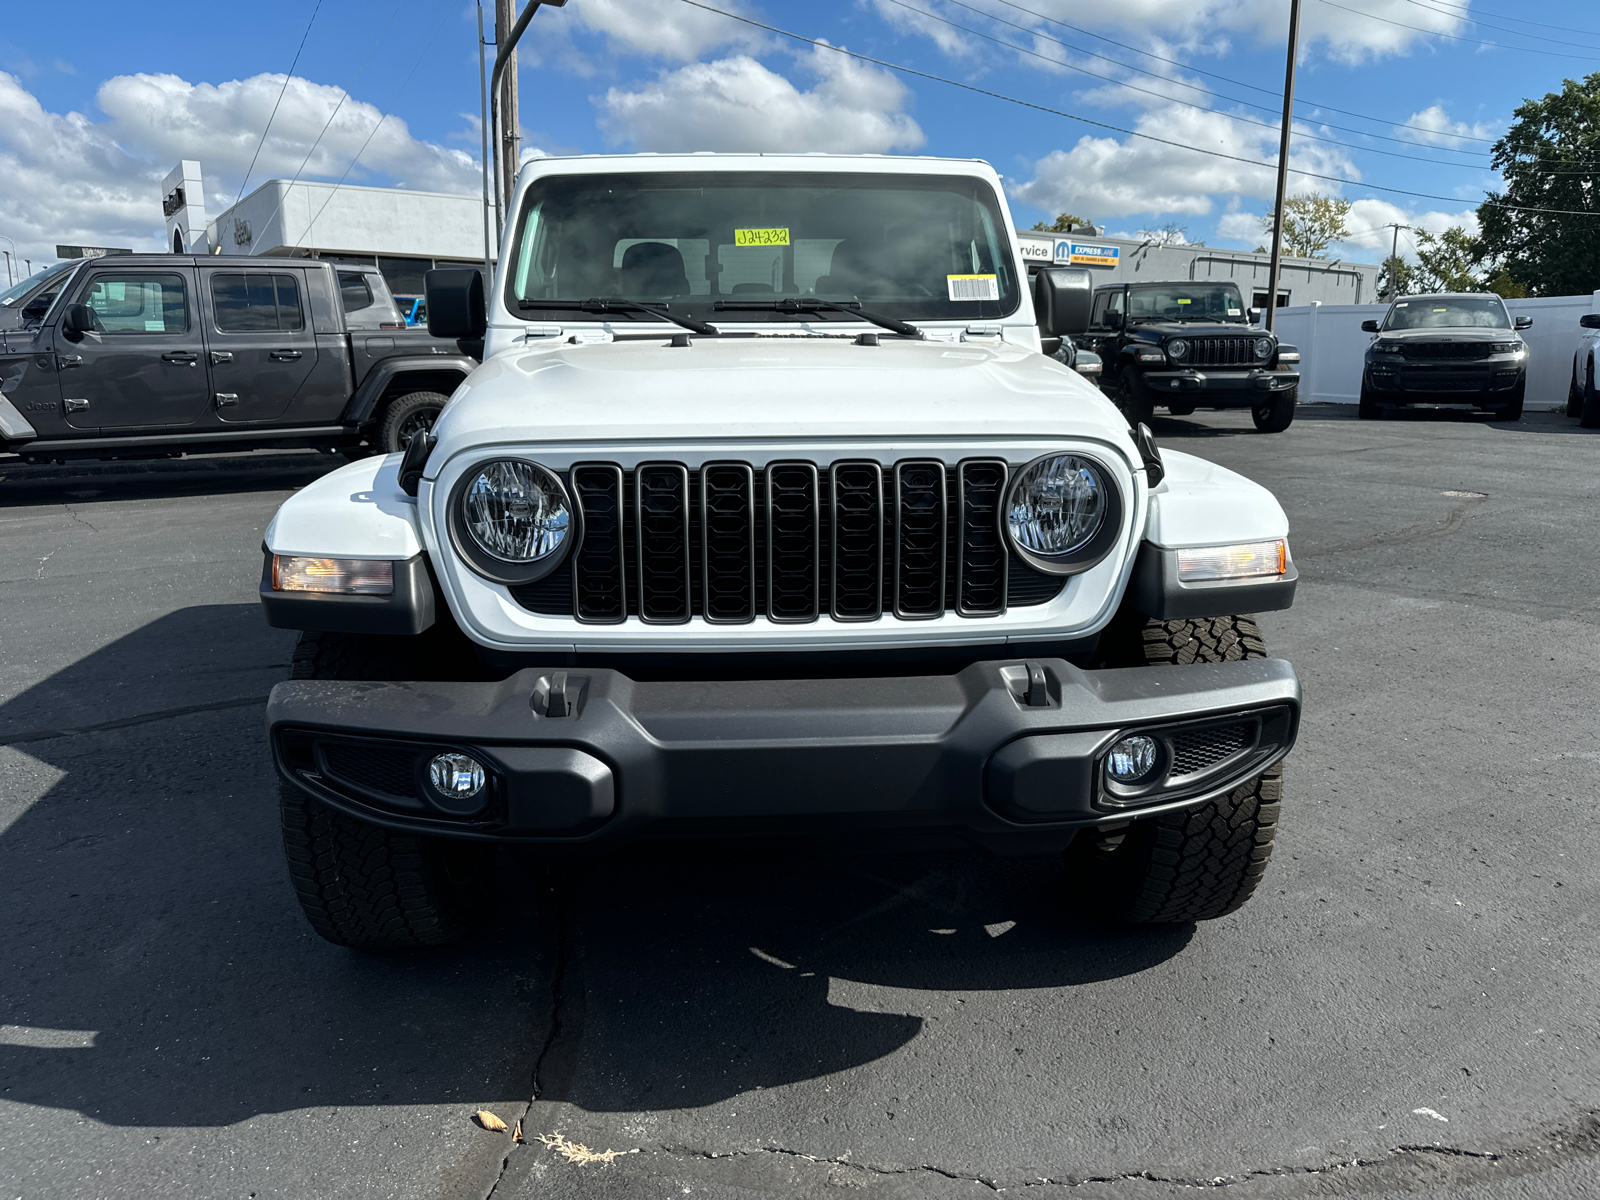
[1283, 163]
[489, 249]
[505, 15]
[1394, 257]
[9, 279]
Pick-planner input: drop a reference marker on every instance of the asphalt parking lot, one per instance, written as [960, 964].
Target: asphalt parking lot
[1407, 1008]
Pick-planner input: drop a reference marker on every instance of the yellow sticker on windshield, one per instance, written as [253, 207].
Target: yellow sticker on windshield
[760, 237]
[1441, 310]
[1182, 301]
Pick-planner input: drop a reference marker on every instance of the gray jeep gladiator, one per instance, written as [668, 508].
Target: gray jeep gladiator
[153, 355]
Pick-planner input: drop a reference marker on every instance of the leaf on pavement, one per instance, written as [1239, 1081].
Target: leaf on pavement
[516, 1134]
[491, 1122]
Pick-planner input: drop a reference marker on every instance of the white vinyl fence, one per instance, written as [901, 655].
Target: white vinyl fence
[1332, 346]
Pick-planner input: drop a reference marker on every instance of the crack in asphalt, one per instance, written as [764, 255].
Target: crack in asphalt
[1411, 533]
[165, 714]
[73, 514]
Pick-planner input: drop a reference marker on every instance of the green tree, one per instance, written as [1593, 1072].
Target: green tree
[1396, 278]
[1548, 161]
[1448, 262]
[1062, 224]
[1312, 222]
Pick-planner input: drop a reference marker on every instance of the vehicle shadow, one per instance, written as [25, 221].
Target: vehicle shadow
[159, 971]
[22, 484]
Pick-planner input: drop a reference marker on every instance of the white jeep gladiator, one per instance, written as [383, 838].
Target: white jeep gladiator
[766, 517]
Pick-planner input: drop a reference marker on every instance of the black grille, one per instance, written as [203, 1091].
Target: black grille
[1199, 749]
[731, 543]
[391, 772]
[1446, 350]
[1221, 351]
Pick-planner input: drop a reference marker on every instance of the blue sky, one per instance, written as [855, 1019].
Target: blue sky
[93, 116]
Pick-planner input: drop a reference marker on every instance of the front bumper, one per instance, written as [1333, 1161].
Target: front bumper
[1004, 753]
[1221, 388]
[1440, 381]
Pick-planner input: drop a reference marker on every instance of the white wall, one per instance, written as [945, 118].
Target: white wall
[358, 220]
[1332, 346]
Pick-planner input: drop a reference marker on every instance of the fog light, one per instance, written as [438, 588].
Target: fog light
[1132, 760]
[456, 776]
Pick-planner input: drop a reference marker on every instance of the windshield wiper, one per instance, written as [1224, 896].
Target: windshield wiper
[597, 304]
[800, 304]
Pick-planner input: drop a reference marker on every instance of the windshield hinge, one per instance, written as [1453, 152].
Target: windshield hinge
[977, 331]
[585, 337]
[535, 332]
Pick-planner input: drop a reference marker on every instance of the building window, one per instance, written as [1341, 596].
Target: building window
[405, 275]
[1259, 300]
[256, 303]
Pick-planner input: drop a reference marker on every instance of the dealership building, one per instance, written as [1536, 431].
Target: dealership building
[405, 232]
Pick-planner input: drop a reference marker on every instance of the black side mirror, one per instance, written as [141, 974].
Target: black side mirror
[36, 308]
[455, 303]
[1062, 297]
[415, 460]
[1524, 322]
[77, 321]
[1369, 327]
[1590, 320]
[1254, 315]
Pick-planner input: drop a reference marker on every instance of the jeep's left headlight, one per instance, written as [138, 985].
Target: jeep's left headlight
[1061, 513]
[1264, 347]
[513, 520]
[1178, 349]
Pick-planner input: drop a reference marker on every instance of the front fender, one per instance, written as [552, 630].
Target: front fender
[377, 380]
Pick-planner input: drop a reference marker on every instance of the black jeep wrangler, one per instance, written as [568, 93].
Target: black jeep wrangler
[1190, 345]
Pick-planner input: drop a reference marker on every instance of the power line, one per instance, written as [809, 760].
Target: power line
[1149, 137]
[1462, 9]
[1456, 37]
[279, 101]
[1274, 126]
[1471, 20]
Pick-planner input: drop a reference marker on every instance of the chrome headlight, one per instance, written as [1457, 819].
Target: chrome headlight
[1178, 349]
[513, 520]
[1385, 346]
[1506, 347]
[1264, 347]
[1062, 513]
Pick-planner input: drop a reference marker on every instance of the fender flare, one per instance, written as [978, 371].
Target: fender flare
[360, 409]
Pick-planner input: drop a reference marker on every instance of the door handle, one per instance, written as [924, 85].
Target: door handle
[76, 405]
[284, 355]
[218, 357]
[64, 361]
[182, 357]
[227, 399]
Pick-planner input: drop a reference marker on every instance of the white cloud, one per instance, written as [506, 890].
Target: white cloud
[67, 178]
[738, 104]
[674, 31]
[1103, 177]
[1433, 127]
[949, 39]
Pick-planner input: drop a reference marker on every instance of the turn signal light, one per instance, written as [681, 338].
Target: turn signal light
[345, 576]
[1248, 561]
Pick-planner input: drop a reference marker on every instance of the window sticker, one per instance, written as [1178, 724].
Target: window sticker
[1403, 304]
[1441, 310]
[155, 326]
[761, 237]
[973, 287]
[1181, 300]
[1234, 312]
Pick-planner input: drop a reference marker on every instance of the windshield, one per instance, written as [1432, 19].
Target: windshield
[1448, 312]
[911, 247]
[1177, 302]
[17, 291]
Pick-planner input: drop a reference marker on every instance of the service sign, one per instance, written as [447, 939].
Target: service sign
[1080, 254]
[1035, 251]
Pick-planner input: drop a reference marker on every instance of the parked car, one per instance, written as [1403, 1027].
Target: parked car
[774, 522]
[157, 354]
[1189, 345]
[26, 301]
[1448, 348]
[1582, 401]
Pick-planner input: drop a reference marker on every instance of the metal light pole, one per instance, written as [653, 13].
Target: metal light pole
[10, 254]
[488, 225]
[1283, 163]
[503, 108]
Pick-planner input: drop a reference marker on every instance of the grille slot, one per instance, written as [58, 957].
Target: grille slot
[983, 558]
[1445, 350]
[919, 553]
[1197, 750]
[390, 772]
[794, 543]
[856, 491]
[661, 517]
[728, 543]
[598, 575]
[1221, 351]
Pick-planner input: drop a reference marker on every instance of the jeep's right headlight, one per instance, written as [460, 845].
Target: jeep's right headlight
[513, 520]
[1059, 513]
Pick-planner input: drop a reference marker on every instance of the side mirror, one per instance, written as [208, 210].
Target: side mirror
[1062, 297]
[77, 321]
[1524, 322]
[1369, 327]
[37, 308]
[1590, 320]
[1254, 314]
[455, 303]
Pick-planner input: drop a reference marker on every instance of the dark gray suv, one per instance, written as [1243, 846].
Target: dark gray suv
[1446, 349]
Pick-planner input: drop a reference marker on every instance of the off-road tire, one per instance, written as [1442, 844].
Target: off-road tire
[1181, 410]
[1201, 863]
[360, 885]
[406, 416]
[1134, 398]
[1511, 410]
[1574, 395]
[1276, 412]
[1368, 409]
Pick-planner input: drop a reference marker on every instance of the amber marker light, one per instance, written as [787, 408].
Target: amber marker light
[342, 576]
[1250, 560]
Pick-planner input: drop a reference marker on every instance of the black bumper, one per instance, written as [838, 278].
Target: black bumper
[1219, 387]
[1444, 382]
[1005, 753]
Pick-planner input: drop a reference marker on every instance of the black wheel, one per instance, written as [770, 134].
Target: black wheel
[1574, 395]
[1511, 410]
[1589, 409]
[359, 885]
[1198, 864]
[406, 417]
[1181, 410]
[1133, 397]
[1276, 412]
[1369, 409]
